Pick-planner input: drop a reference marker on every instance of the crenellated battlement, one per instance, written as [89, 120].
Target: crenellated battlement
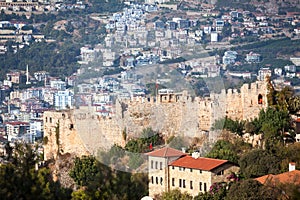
[169, 113]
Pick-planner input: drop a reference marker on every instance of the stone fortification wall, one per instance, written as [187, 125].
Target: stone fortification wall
[60, 136]
[78, 132]
[178, 114]
[254, 98]
[81, 131]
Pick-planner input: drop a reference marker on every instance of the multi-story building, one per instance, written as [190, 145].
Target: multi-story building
[16, 129]
[41, 75]
[171, 169]
[229, 57]
[87, 55]
[16, 77]
[63, 99]
[253, 57]
[36, 128]
[58, 84]
[263, 73]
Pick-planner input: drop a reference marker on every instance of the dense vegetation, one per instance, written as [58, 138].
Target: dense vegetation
[19, 178]
[98, 181]
[133, 150]
[271, 51]
[58, 60]
[97, 6]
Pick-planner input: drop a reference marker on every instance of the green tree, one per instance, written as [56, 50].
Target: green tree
[249, 189]
[272, 123]
[113, 156]
[235, 126]
[204, 196]
[101, 182]
[177, 142]
[141, 144]
[223, 150]
[174, 194]
[19, 178]
[135, 160]
[259, 162]
[84, 170]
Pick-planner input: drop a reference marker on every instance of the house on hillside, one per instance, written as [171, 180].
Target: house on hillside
[290, 177]
[171, 169]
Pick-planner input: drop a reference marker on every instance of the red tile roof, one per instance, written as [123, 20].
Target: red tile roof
[206, 164]
[16, 123]
[166, 152]
[286, 177]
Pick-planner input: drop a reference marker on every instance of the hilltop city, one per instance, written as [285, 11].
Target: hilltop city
[149, 99]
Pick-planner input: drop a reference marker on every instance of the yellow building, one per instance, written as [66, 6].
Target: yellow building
[170, 169]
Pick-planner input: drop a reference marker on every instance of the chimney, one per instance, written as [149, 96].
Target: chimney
[195, 154]
[292, 166]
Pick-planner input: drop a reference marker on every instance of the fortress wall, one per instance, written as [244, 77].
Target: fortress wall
[234, 109]
[176, 115]
[61, 135]
[250, 99]
[205, 113]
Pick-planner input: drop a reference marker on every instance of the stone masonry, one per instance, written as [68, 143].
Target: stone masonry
[81, 131]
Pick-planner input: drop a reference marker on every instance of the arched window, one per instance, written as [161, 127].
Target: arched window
[260, 99]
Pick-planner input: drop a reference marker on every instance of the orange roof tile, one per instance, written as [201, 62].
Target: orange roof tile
[206, 164]
[166, 152]
[15, 123]
[286, 177]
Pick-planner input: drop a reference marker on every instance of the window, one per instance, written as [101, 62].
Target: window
[191, 170]
[71, 126]
[200, 186]
[152, 180]
[191, 185]
[173, 167]
[260, 99]
[183, 183]
[156, 180]
[151, 164]
[204, 187]
[173, 181]
[179, 182]
[181, 168]
[161, 180]
[50, 119]
[220, 172]
[160, 165]
[200, 171]
[156, 165]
